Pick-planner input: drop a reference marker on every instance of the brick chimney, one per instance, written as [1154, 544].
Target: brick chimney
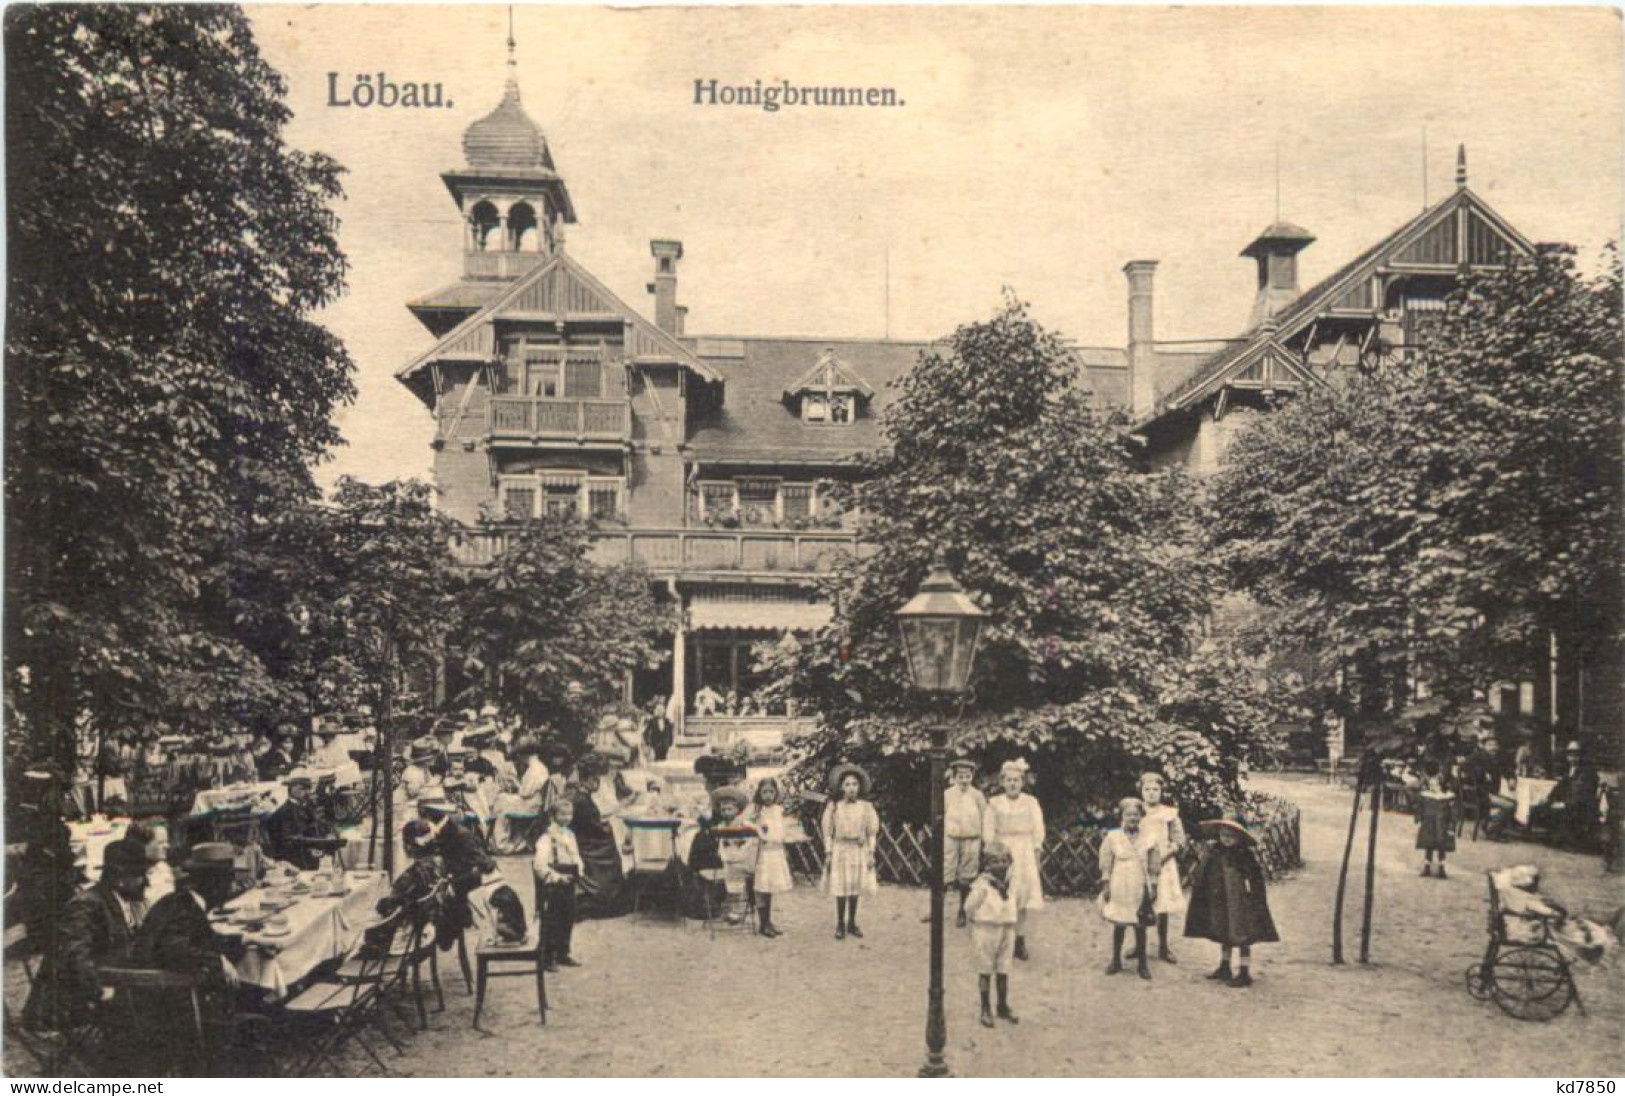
[664, 287]
[682, 319]
[1142, 355]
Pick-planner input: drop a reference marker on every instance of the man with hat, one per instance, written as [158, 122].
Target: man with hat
[463, 855]
[176, 935]
[1572, 806]
[295, 824]
[97, 929]
[421, 777]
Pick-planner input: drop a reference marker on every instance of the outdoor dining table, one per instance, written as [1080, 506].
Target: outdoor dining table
[291, 942]
[1530, 793]
[89, 841]
[263, 797]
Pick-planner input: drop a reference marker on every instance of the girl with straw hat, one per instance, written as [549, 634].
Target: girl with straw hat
[1228, 901]
[850, 827]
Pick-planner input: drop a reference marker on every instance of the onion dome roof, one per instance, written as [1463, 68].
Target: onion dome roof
[507, 138]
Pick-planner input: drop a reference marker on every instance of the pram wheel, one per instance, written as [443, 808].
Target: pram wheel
[1531, 983]
[1476, 986]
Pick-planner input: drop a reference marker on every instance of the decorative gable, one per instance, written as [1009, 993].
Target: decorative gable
[828, 392]
[559, 291]
[830, 374]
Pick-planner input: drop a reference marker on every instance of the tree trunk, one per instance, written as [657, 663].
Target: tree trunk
[386, 758]
[1370, 870]
[1343, 871]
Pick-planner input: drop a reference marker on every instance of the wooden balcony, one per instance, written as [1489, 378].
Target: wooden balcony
[533, 420]
[687, 552]
[501, 264]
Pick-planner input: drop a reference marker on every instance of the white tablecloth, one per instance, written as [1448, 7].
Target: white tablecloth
[262, 798]
[265, 796]
[319, 929]
[90, 840]
[1531, 792]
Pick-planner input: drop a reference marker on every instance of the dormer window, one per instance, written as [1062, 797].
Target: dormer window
[829, 393]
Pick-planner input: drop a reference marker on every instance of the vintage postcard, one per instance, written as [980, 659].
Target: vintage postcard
[813, 541]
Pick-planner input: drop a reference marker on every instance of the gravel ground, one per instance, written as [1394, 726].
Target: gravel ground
[661, 999]
[655, 999]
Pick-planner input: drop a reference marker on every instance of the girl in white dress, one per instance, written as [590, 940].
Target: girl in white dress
[1162, 825]
[772, 865]
[1128, 863]
[1016, 821]
[850, 827]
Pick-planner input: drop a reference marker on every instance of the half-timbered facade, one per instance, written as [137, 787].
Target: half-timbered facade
[707, 459]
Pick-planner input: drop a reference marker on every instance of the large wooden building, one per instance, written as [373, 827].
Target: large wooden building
[702, 457]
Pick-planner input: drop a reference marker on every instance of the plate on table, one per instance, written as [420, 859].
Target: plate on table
[273, 932]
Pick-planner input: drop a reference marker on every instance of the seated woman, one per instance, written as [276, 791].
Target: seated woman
[602, 876]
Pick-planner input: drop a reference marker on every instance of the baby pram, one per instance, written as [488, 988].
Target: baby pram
[1533, 942]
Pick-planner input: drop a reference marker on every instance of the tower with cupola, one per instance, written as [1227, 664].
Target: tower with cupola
[513, 200]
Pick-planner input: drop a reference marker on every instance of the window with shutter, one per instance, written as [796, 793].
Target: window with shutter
[562, 501]
[603, 501]
[519, 503]
[541, 375]
[797, 500]
[718, 498]
[583, 380]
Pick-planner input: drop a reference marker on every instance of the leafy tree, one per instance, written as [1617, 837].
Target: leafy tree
[166, 389]
[1520, 446]
[350, 602]
[551, 636]
[1439, 518]
[1087, 571]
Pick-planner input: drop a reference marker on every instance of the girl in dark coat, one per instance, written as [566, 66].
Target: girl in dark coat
[1435, 819]
[1228, 904]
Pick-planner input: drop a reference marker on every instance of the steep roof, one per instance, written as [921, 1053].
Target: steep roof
[1408, 244]
[560, 288]
[756, 422]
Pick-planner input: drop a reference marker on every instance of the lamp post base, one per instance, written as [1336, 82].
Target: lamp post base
[935, 1068]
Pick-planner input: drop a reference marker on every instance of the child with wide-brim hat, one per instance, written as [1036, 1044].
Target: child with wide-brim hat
[1228, 900]
[850, 827]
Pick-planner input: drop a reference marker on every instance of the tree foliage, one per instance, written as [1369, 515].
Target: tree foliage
[349, 602]
[1088, 572]
[1440, 517]
[551, 636]
[166, 388]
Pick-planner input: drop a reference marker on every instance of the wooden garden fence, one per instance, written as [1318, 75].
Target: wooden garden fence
[1070, 864]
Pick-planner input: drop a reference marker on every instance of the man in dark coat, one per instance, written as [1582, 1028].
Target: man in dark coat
[97, 929]
[463, 855]
[1574, 801]
[294, 824]
[176, 935]
[657, 729]
[1486, 769]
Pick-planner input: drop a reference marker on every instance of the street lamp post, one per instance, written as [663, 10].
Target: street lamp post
[940, 626]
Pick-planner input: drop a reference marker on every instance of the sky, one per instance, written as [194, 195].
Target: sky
[1036, 148]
